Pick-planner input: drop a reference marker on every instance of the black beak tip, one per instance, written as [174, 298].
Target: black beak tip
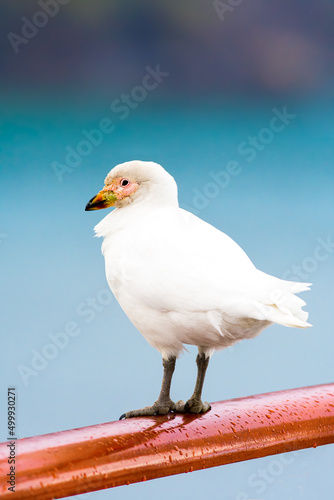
[89, 205]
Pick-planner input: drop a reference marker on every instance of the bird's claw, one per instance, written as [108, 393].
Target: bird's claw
[193, 405]
[158, 408]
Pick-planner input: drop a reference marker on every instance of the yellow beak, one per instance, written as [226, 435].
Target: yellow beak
[103, 199]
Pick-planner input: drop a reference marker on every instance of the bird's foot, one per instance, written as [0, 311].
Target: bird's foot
[193, 405]
[158, 408]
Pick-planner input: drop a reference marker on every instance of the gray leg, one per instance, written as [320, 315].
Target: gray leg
[195, 404]
[163, 404]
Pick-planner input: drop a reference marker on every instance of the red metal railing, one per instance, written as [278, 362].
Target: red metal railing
[117, 453]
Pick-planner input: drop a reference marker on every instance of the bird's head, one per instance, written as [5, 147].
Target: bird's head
[134, 181]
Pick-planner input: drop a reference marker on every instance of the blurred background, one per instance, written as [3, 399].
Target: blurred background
[194, 86]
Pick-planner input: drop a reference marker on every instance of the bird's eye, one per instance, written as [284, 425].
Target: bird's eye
[124, 182]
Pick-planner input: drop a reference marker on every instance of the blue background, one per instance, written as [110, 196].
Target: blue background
[277, 208]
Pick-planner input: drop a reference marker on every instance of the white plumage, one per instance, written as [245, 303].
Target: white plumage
[180, 280]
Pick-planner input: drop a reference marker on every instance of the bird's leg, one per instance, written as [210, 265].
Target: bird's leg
[195, 404]
[163, 404]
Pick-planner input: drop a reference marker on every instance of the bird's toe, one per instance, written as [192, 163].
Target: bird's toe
[157, 408]
[180, 406]
[196, 406]
[147, 411]
[205, 407]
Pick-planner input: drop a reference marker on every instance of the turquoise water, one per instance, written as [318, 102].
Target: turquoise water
[274, 197]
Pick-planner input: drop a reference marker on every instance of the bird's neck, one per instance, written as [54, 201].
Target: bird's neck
[132, 215]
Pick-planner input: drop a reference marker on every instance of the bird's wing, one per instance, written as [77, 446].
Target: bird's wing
[215, 245]
[251, 292]
[183, 264]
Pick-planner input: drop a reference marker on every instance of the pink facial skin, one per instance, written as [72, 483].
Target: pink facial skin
[119, 190]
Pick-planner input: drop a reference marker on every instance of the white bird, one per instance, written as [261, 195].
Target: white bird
[181, 280]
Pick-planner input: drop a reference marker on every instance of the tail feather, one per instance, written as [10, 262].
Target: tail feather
[283, 306]
[296, 287]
